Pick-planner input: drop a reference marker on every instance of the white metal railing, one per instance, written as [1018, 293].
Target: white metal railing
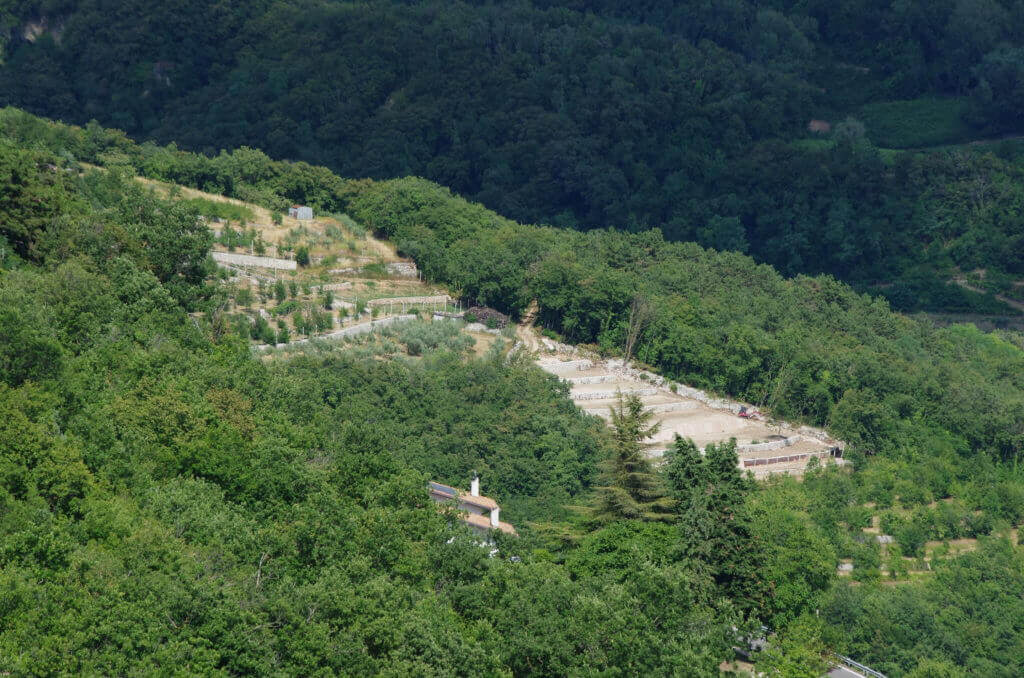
[866, 670]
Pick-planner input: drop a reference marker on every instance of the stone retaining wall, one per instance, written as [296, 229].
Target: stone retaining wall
[244, 273]
[250, 260]
[598, 379]
[660, 408]
[620, 367]
[558, 366]
[402, 269]
[480, 327]
[333, 287]
[410, 301]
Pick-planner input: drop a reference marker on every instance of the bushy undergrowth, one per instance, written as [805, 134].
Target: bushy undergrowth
[420, 336]
[228, 211]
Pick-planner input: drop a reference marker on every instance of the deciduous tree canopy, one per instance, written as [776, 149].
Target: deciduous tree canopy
[687, 116]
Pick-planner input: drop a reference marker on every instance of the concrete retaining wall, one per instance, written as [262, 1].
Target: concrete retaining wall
[680, 406]
[770, 445]
[249, 260]
[606, 395]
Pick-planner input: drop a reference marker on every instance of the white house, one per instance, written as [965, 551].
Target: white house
[480, 513]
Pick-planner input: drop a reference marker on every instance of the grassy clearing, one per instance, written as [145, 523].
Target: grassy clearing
[813, 145]
[916, 123]
[227, 211]
[336, 235]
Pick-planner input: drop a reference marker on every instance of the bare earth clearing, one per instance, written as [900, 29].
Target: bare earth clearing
[764, 447]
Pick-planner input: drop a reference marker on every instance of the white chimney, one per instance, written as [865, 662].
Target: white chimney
[474, 486]
[494, 517]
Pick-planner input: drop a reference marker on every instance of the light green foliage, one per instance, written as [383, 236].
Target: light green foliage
[243, 297]
[970, 598]
[419, 336]
[351, 226]
[168, 499]
[797, 653]
[220, 209]
[798, 561]
[930, 668]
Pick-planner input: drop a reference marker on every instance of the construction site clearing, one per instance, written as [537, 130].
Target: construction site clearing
[763, 446]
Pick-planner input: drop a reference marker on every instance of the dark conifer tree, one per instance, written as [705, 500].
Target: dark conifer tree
[629, 487]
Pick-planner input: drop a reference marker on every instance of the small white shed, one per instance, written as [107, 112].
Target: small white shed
[300, 212]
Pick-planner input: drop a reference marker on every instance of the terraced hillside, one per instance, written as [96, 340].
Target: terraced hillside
[290, 280]
[764, 446]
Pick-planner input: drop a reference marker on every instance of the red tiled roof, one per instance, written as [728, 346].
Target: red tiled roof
[482, 502]
[484, 522]
[442, 491]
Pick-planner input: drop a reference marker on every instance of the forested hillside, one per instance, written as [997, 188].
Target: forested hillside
[690, 117]
[168, 501]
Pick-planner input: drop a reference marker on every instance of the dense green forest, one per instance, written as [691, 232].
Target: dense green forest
[171, 504]
[691, 117]
[168, 501]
